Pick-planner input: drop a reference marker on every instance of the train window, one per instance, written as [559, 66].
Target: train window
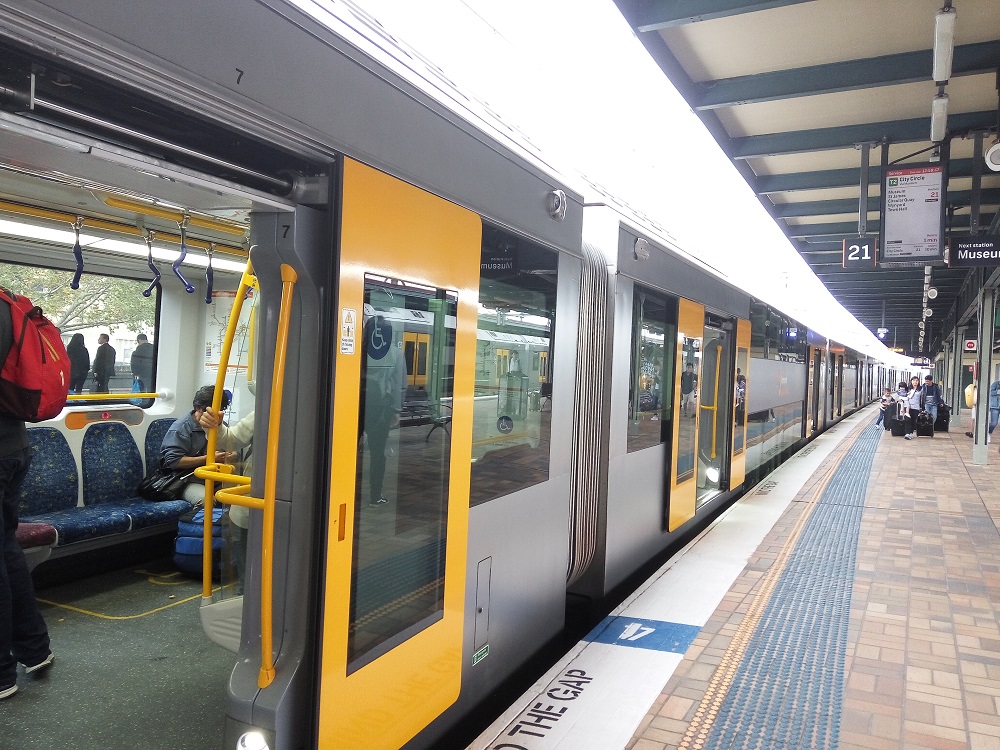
[102, 305]
[511, 427]
[394, 597]
[654, 331]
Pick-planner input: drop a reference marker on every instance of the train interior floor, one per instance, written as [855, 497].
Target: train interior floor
[132, 668]
[916, 663]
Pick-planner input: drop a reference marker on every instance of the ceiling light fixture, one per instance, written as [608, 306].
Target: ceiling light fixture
[944, 43]
[939, 117]
[992, 156]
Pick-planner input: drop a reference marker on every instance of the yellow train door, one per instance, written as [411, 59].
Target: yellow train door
[393, 609]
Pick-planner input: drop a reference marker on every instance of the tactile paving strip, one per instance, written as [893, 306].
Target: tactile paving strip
[786, 693]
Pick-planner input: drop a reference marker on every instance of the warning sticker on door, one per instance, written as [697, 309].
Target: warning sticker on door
[348, 330]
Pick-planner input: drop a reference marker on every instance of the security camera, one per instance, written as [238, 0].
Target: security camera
[993, 156]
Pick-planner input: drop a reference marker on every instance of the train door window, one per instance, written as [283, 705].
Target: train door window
[396, 458]
[102, 305]
[740, 400]
[415, 354]
[654, 333]
[713, 406]
[512, 411]
[687, 433]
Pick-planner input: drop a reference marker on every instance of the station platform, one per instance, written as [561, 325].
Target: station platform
[851, 600]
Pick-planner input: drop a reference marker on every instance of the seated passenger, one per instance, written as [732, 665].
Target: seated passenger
[185, 444]
[233, 438]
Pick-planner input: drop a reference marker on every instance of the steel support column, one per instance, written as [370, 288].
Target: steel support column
[987, 309]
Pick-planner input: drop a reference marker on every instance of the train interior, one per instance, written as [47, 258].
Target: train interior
[85, 232]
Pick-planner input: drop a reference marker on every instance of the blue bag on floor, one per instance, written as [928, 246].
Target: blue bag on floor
[189, 545]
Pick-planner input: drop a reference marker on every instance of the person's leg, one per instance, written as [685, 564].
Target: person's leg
[23, 635]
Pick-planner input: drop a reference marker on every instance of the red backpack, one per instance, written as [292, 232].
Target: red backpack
[34, 380]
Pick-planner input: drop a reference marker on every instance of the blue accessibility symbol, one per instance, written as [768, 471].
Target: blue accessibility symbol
[379, 339]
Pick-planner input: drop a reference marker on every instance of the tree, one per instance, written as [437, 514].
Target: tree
[100, 302]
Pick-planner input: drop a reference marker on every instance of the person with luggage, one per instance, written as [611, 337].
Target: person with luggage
[914, 399]
[184, 446]
[883, 405]
[932, 397]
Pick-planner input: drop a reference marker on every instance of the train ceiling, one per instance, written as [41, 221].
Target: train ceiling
[790, 88]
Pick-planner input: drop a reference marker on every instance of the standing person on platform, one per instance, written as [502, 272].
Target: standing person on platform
[994, 409]
[689, 386]
[79, 363]
[932, 397]
[915, 403]
[142, 362]
[104, 364]
[883, 405]
[24, 636]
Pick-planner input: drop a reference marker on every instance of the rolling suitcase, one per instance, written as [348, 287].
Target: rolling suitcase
[925, 425]
[900, 426]
[943, 418]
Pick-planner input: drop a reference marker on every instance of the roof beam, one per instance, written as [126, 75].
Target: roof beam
[837, 178]
[846, 136]
[849, 75]
[653, 15]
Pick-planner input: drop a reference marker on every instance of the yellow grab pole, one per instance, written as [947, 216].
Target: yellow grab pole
[288, 279]
[213, 435]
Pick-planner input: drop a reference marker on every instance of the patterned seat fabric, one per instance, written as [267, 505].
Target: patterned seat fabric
[112, 468]
[154, 439]
[51, 483]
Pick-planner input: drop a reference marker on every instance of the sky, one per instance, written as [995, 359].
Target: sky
[571, 75]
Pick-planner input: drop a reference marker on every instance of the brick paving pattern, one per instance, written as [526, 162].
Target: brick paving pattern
[922, 669]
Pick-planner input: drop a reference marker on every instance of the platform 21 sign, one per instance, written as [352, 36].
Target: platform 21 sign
[860, 252]
[978, 250]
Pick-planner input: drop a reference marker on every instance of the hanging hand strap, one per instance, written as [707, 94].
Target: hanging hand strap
[150, 235]
[176, 265]
[78, 254]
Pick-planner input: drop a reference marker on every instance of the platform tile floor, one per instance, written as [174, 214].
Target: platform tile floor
[922, 667]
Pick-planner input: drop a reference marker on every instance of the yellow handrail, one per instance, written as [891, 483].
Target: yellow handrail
[239, 495]
[108, 396]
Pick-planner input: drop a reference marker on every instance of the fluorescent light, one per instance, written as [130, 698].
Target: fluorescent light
[39, 131]
[939, 117]
[944, 43]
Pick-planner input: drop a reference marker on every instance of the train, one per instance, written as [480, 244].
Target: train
[476, 395]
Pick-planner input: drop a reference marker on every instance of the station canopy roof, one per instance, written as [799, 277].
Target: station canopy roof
[791, 89]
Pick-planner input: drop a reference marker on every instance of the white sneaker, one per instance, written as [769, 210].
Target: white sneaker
[908, 436]
[42, 665]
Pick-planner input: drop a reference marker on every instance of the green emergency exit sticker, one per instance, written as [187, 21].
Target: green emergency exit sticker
[480, 654]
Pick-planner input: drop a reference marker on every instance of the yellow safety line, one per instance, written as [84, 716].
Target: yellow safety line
[83, 611]
[718, 687]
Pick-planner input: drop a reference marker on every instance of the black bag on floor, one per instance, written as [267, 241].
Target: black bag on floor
[900, 426]
[887, 420]
[189, 545]
[925, 425]
[943, 418]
